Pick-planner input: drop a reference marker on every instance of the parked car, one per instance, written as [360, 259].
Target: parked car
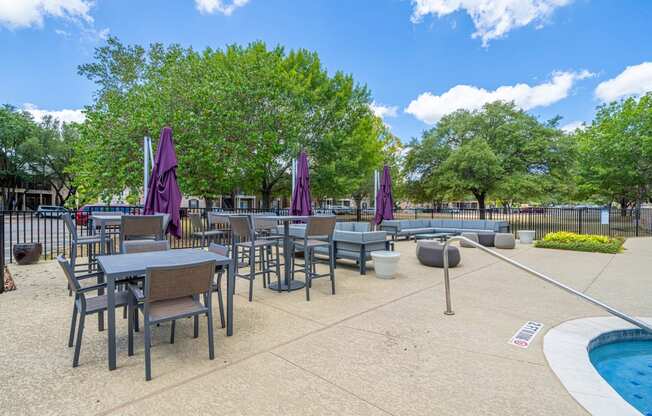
[50, 211]
[84, 213]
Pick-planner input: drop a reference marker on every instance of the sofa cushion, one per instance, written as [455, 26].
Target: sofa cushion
[412, 231]
[361, 227]
[391, 225]
[455, 224]
[345, 226]
[435, 223]
[474, 224]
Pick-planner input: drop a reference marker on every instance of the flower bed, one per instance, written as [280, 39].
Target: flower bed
[581, 242]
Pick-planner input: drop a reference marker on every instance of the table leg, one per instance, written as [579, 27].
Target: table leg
[230, 288]
[286, 252]
[102, 238]
[110, 302]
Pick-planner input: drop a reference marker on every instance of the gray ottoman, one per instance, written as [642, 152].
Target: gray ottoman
[470, 236]
[504, 240]
[486, 239]
[431, 253]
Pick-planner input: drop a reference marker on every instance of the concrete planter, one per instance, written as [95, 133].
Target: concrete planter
[27, 253]
[385, 263]
[526, 236]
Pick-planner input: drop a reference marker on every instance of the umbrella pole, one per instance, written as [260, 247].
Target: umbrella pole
[146, 150]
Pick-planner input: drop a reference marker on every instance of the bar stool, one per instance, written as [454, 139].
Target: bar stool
[140, 228]
[76, 240]
[319, 233]
[244, 236]
[199, 232]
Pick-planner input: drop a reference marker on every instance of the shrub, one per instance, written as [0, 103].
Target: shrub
[581, 242]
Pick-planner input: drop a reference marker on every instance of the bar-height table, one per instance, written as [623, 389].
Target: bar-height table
[136, 264]
[288, 283]
[103, 220]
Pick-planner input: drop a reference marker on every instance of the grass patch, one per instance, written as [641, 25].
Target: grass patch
[581, 242]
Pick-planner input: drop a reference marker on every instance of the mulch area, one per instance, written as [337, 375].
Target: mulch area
[8, 281]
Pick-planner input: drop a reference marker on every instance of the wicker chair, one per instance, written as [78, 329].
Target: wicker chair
[219, 272]
[172, 293]
[141, 228]
[245, 237]
[319, 233]
[199, 232]
[85, 306]
[76, 241]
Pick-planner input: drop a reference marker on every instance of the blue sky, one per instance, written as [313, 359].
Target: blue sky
[420, 58]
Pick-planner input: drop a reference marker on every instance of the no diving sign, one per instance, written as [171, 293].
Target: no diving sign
[526, 334]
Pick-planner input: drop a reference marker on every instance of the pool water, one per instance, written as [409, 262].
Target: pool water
[627, 367]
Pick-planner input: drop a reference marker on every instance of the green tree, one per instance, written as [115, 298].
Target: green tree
[16, 128]
[239, 115]
[615, 153]
[512, 149]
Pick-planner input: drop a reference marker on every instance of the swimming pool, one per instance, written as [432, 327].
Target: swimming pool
[627, 367]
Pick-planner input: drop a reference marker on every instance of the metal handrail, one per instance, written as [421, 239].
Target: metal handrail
[449, 310]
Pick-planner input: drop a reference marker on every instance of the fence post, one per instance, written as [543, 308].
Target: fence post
[358, 214]
[580, 220]
[638, 217]
[415, 214]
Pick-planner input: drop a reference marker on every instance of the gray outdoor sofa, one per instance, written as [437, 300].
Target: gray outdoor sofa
[352, 241]
[408, 228]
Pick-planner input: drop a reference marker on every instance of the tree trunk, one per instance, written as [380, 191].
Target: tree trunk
[481, 204]
[266, 197]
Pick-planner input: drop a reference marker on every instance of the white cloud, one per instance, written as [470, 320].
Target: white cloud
[224, 7]
[66, 116]
[634, 80]
[383, 111]
[26, 13]
[492, 18]
[430, 108]
[572, 126]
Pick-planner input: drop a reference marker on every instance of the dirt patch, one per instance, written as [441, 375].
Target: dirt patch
[8, 281]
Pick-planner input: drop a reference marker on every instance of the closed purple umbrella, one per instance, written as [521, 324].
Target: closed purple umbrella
[301, 202]
[163, 195]
[384, 199]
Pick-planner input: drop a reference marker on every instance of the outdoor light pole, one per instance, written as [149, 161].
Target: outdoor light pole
[294, 177]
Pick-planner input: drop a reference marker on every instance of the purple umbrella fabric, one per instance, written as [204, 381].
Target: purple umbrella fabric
[384, 199]
[301, 202]
[163, 195]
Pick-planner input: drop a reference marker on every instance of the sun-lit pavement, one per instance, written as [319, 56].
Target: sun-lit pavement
[376, 347]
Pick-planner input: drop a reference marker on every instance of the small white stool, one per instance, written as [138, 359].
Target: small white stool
[526, 236]
[385, 263]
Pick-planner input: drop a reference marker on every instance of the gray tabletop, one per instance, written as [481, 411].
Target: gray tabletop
[136, 263]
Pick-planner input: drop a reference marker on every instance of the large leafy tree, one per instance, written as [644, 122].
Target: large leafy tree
[16, 128]
[239, 117]
[615, 153]
[488, 153]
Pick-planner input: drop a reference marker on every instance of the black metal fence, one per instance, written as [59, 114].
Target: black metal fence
[29, 226]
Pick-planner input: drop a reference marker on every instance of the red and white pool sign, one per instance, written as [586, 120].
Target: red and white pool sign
[526, 334]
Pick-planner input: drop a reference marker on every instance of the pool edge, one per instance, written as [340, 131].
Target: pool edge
[566, 348]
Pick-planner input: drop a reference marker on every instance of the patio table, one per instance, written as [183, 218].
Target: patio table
[103, 220]
[288, 282]
[136, 264]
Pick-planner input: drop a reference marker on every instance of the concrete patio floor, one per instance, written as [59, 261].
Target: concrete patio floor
[377, 347]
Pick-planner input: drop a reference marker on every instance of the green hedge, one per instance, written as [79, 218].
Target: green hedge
[581, 242]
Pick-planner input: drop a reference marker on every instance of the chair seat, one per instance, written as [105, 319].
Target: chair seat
[99, 303]
[173, 308]
[312, 243]
[259, 243]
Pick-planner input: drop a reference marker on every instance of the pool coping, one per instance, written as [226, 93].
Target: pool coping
[566, 348]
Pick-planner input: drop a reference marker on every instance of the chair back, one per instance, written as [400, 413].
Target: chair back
[130, 247]
[196, 222]
[173, 282]
[219, 221]
[219, 249]
[320, 227]
[264, 224]
[241, 227]
[68, 271]
[70, 225]
[141, 227]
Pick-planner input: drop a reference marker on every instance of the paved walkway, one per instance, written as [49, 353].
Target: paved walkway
[377, 347]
